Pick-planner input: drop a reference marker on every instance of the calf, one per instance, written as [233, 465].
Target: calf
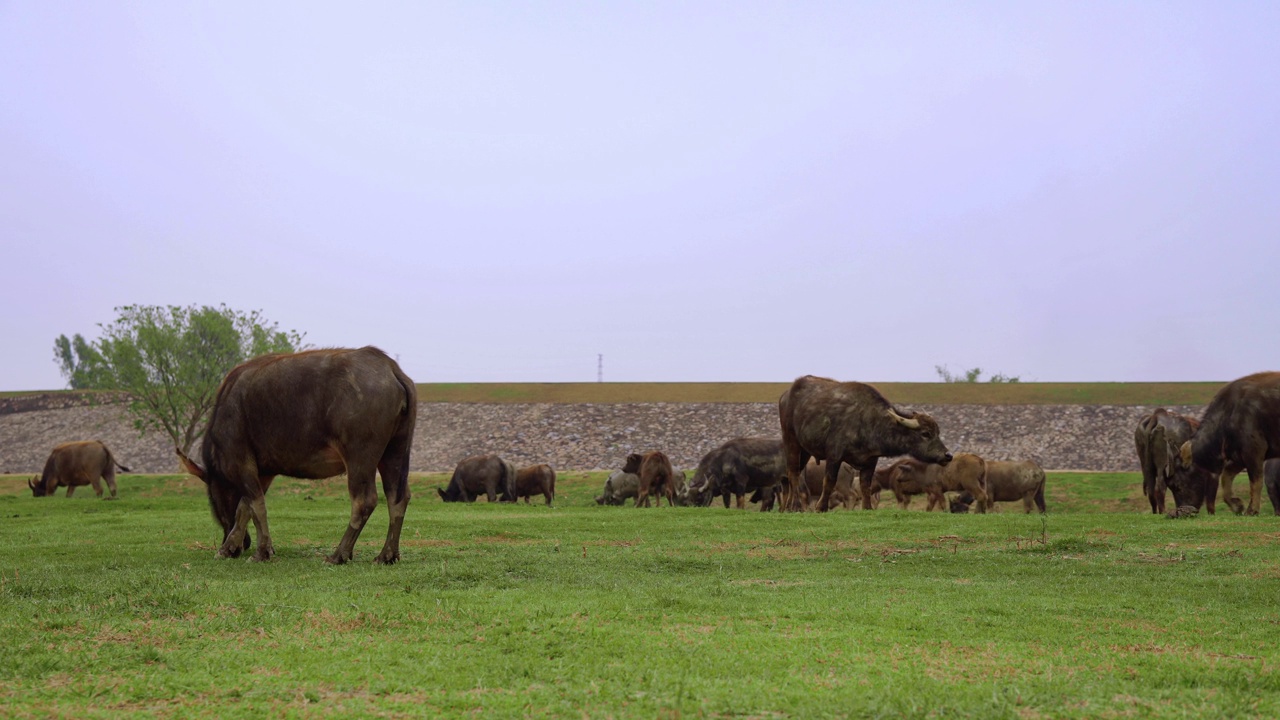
[1009, 481]
[966, 472]
[536, 480]
[655, 473]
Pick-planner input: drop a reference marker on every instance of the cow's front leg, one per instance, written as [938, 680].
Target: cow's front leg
[1255, 487]
[1226, 480]
[866, 473]
[258, 510]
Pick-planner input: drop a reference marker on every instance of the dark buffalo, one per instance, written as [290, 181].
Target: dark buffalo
[656, 476]
[74, 464]
[313, 414]
[620, 486]
[1009, 481]
[849, 422]
[1240, 430]
[536, 480]
[738, 467]
[966, 472]
[487, 474]
[1152, 439]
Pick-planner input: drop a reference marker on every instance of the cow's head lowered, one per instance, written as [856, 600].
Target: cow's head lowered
[38, 487]
[1190, 481]
[918, 435]
[223, 499]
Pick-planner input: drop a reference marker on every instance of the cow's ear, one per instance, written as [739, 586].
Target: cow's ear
[190, 465]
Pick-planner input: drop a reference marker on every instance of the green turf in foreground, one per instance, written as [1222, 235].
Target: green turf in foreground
[112, 609]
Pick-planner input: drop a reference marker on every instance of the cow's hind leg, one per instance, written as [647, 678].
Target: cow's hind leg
[829, 480]
[364, 498]
[110, 476]
[1225, 480]
[70, 490]
[394, 470]
[97, 487]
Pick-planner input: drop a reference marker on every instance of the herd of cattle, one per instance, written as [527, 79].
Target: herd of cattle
[320, 413]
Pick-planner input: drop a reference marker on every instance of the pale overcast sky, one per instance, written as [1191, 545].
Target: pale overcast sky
[730, 191]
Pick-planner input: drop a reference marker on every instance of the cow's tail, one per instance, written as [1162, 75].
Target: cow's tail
[112, 458]
[408, 418]
[1040, 493]
[552, 483]
[508, 481]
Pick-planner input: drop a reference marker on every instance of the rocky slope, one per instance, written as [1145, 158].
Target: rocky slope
[589, 436]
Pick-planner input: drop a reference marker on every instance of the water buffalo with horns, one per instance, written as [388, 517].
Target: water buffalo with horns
[1155, 434]
[849, 422]
[488, 474]
[1240, 430]
[313, 414]
[74, 464]
[738, 467]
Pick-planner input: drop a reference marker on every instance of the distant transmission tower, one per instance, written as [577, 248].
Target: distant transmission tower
[600, 367]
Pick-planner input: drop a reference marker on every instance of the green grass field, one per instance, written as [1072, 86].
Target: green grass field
[114, 609]
[1192, 393]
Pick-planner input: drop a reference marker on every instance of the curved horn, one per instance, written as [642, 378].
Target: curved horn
[31, 483]
[1184, 454]
[903, 421]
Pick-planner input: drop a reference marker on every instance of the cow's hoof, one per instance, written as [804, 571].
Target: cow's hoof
[1251, 512]
[386, 558]
[261, 556]
[1237, 507]
[337, 559]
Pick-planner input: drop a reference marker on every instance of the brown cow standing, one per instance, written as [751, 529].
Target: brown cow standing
[966, 472]
[1240, 430]
[1009, 481]
[488, 474]
[74, 464]
[849, 422]
[312, 414]
[535, 480]
[656, 476]
[1151, 439]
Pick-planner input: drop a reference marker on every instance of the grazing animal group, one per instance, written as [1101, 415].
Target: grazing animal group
[321, 413]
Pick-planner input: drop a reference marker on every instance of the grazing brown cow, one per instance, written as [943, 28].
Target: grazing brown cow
[488, 474]
[1152, 439]
[1240, 430]
[849, 422]
[620, 486]
[536, 480]
[74, 464]
[655, 472]
[312, 414]
[966, 472]
[740, 466]
[1009, 481]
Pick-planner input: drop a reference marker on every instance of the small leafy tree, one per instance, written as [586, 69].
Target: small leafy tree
[972, 375]
[79, 361]
[171, 360]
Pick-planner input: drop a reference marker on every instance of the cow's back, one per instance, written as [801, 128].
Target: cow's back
[300, 414]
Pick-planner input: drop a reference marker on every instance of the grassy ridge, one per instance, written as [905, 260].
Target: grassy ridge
[1197, 393]
[1095, 610]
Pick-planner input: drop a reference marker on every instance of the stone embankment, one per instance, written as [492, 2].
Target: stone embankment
[592, 436]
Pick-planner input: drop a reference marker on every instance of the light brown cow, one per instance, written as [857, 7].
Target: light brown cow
[966, 471]
[536, 480]
[74, 464]
[656, 476]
